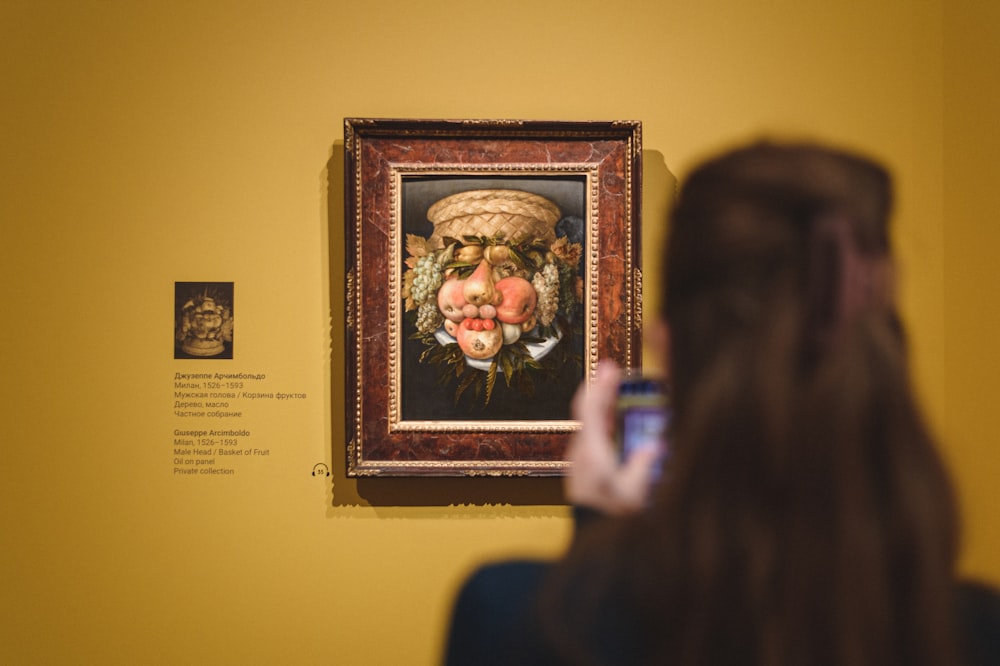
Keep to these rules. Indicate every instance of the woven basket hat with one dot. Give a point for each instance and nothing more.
(516, 215)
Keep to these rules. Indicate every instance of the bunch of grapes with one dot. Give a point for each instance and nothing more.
(546, 283)
(426, 281)
(429, 318)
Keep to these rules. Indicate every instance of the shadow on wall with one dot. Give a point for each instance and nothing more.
(658, 191)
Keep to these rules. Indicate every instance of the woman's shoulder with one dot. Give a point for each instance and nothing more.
(978, 608)
(494, 618)
(503, 586)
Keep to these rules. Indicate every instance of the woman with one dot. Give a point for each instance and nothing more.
(805, 516)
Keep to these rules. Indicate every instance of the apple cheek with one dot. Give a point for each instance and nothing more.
(519, 300)
(450, 300)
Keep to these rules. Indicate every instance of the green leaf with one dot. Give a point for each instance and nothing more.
(491, 379)
(447, 255)
(525, 385)
(465, 383)
(507, 363)
(462, 269)
(519, 257)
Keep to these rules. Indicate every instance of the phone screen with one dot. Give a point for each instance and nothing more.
(643, 418)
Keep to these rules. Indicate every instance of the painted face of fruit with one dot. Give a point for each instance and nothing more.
(480, 344)
(451, 301)
(518, 300)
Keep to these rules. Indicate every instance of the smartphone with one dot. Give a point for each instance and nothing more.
(643, 418)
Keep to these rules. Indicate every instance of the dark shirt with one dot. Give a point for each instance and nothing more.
(978, 607)
(495, 620)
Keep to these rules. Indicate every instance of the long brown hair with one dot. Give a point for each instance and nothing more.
(805, 517)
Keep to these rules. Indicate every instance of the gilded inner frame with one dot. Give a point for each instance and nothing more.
(491, 265)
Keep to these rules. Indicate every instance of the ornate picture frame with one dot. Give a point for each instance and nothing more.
(491, 264)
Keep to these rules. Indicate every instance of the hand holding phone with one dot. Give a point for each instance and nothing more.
(598, 477)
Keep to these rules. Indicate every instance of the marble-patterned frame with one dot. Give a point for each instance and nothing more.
(380, 156)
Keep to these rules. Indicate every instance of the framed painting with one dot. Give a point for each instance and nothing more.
(491, 264)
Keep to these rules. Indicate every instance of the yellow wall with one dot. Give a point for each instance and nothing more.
(144, 143)
(971, 241)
